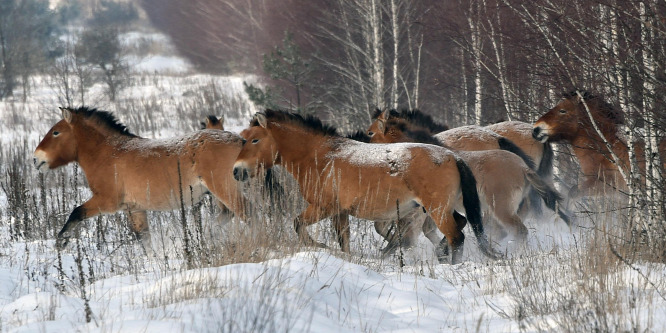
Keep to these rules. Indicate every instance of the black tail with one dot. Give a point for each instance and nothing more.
(549, 194)
(473, 207)
(533, 197)
(545, 169)
(508, 145)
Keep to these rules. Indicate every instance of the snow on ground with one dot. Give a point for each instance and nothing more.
(312, 290)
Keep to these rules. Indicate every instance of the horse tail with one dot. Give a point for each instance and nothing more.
(548, 193)
(545, 168)
(508, 145)
(472, 206)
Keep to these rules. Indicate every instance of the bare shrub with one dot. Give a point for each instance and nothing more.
(589, 290)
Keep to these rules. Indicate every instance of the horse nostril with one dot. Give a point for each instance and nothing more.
(240, 174)
(535, 132)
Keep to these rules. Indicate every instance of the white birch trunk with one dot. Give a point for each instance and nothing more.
(417, 77)
(464, 87)
(496, 41)
(653, 177)
(476, 51)
(396, 40)
(377, 51)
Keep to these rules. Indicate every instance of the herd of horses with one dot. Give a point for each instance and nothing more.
(406, 173)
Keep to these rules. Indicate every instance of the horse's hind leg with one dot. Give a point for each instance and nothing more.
(139, 225)
(384, 228)
(447, 224)
(511, 222)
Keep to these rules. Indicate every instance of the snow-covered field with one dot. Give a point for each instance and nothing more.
(561, 280)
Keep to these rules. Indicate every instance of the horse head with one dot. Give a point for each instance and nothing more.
(259, 149)
(59, 146)
(213, 122)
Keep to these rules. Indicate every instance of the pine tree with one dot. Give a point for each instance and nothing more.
(285, 66)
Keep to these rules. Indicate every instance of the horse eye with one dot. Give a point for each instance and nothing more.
(370, 133)
(56, 133)
(563, 111)
(255, 141)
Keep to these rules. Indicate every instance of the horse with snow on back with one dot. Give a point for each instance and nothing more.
(134, 174)
(513, 136)
(503, 178)
(337, 176)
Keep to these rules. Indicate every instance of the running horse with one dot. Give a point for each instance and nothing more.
(133, 174)
(339, 176)
(569, 122)
(513, 136)
(503, 177)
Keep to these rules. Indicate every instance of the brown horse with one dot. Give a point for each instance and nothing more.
(134, 174)
(339, 176)
(513, 136)
(503, 178)
(520, 133)
(272, 188)
(570, 123)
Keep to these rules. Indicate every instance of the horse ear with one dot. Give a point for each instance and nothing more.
(385, 114)
(261, 119)
(381, 125)
(66, 114)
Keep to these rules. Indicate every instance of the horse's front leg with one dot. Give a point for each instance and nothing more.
(91, 208)
(311, 215)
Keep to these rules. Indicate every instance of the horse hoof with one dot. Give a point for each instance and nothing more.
(442, 255)
(62, 242)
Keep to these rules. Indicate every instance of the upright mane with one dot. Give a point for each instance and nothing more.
(606, 110)
(309, 122)
(418, 118)
(417, 133)
(378, 112)
(102, 118)
(359, 136)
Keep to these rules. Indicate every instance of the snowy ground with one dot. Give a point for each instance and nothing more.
(540, 287)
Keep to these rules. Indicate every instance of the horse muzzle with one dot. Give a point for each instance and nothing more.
(539, 134)
(40, 161)
(241, 174)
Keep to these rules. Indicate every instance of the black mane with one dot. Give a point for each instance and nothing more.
(606, 109)
(418, 118)
(310, 122)
(378, 112)
(103, 118)
(359, 136)
(418, 134)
